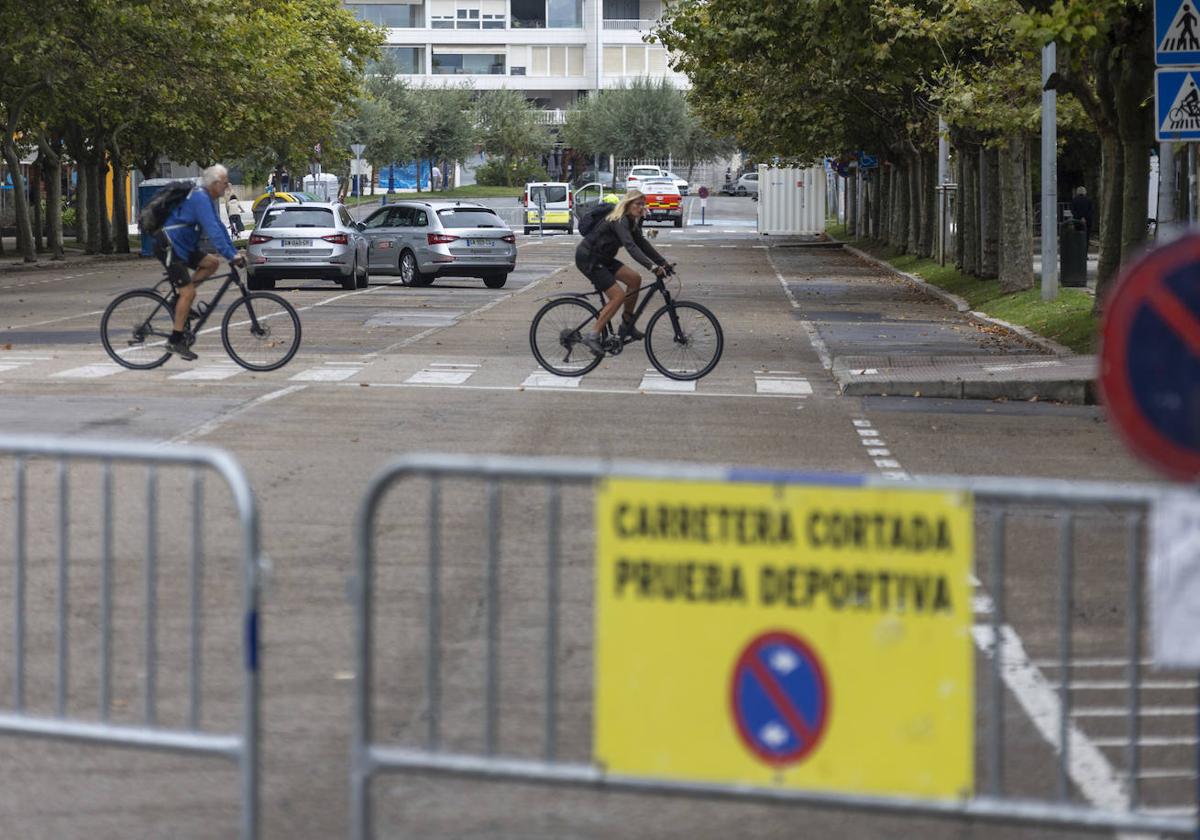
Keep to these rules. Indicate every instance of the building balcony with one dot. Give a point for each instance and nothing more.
(556, 116)
(629, 25)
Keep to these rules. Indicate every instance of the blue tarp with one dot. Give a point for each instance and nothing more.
(402, 176)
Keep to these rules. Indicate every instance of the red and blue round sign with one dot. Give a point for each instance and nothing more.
(779, 698)
(1150, 357)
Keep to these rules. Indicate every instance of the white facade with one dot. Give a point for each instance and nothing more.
(551, 50)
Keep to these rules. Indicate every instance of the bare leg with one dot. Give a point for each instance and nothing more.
(633, 283)
(187, 294)
(616, 295)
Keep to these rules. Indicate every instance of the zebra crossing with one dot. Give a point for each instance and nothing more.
(501, 374)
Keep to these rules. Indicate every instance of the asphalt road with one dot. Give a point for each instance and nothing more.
(389, 370)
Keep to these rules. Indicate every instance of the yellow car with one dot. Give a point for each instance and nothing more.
(260, 203)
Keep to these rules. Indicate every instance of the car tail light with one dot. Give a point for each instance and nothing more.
(570, 199)
(337, 238)
(440, 238)
(259, 238)
(509, 237)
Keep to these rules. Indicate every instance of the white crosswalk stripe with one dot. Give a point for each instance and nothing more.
(325, 374)
(655, 381)
(782, 385)
(540, 379)
(443, 374)
(209, 373)
(89, 371)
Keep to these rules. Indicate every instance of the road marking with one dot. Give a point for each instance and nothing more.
(540, 379)
(1168, 773)
(221, 419)
(1110, 685)
(442, 376)
(880, 453)
(814, 337)
(887, 463)
(778, 385)
(654, 381)
(209, 372)
(415, 319)
(89, 371)
(325, 374)
(1148, 741)
(54, 320)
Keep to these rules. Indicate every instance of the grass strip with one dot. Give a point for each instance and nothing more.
(1068, 319)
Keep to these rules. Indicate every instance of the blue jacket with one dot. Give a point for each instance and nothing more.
(198, 210)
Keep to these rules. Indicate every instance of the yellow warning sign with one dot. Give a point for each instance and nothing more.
(800, 636)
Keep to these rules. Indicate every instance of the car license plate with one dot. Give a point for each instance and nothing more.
(480, 243)
(297, 243)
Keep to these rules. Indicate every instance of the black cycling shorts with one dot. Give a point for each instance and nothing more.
(177, 266)
(602, 272)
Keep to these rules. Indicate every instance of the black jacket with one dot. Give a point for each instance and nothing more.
(603, 242)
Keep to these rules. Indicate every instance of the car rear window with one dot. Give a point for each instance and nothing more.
(474, 217)
(553, 194)
(286, 217)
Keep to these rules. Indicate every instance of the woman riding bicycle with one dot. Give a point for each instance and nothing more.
(596, 257)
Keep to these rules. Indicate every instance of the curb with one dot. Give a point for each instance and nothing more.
(1023, 333)
(1070, 391)
(45, 264)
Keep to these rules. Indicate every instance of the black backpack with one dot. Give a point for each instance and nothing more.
(154, 214)
(593, 217)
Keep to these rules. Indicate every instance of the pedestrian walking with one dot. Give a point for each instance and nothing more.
(234, 207)
(436, 175)
(1082, 208)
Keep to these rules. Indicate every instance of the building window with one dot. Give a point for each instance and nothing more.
(406, 60)
(468, 18)
(468, 64)
(558, 61)
(564, 14)
(635, 60)
(394, 15)
(614, 61)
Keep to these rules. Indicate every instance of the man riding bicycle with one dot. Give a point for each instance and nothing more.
(177, 245)
(596, 257)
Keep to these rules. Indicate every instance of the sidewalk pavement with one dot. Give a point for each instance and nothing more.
(883, 332)
(74, 255)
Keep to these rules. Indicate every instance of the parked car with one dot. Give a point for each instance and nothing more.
(680, 183)
(638, 174)
(747, 185)
(594, 176)
(555, 206)
(663, 202)
(260, 203)
(304, 240)
(423, 240)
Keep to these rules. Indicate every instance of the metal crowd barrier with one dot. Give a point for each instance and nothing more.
(44, 522)
(1008, 512)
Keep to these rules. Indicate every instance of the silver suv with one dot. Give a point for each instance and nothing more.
(309, 239)
(423, 240)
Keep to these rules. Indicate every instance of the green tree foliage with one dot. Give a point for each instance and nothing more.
(510, 128)
(643, 119)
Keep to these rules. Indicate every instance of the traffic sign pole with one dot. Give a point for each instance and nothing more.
(1049, 177)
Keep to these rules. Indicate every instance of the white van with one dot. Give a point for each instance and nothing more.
(548, 204)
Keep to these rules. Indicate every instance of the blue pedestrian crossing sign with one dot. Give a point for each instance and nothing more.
(1177, 104)
(1176, 32)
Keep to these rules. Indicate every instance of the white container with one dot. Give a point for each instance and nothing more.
(791, 201)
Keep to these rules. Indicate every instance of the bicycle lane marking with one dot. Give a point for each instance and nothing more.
(214, 423)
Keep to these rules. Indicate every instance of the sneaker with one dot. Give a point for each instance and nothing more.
(629, 331)
(180, 349)
(592, 342)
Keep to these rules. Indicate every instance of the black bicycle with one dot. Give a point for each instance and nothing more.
(683, 339)
(260, 330)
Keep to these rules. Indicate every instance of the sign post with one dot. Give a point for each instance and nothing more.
(703, 193)
(357, 149)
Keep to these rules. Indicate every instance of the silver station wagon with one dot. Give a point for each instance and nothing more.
(423, 240)
(305, 240)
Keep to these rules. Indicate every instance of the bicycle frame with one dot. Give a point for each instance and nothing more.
(646, 293)
(231, 279)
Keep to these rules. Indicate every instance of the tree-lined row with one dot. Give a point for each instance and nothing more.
(828, 77)
(130, 82)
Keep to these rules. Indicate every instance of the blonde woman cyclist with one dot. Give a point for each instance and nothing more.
(596, 257)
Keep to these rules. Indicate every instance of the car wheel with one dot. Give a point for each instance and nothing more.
(364, 278)
(740, 192)
(350, 281)
(495, 281)
(256, 283)
(410, 273)
(528, 231)
(679, 221)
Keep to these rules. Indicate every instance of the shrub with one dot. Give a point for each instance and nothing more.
(495, 174)
(68, 217)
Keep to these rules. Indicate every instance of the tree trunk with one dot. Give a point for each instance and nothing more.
(884, 215)
(82, 188)
(120, 206)
(971, 262)
(928, 204)
(1016, 231)
(989, 265)
(95, 206)
(876, 200)
(1112, 167)
(35, 201)
(52, 167)
(913, 239)
(960, 200)
(20, 202)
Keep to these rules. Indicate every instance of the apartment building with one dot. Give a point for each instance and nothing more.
(552, 50)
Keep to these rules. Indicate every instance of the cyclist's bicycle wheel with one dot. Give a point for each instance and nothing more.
(555, 337)
(261, 331)
(135, 327)
(684, 341)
